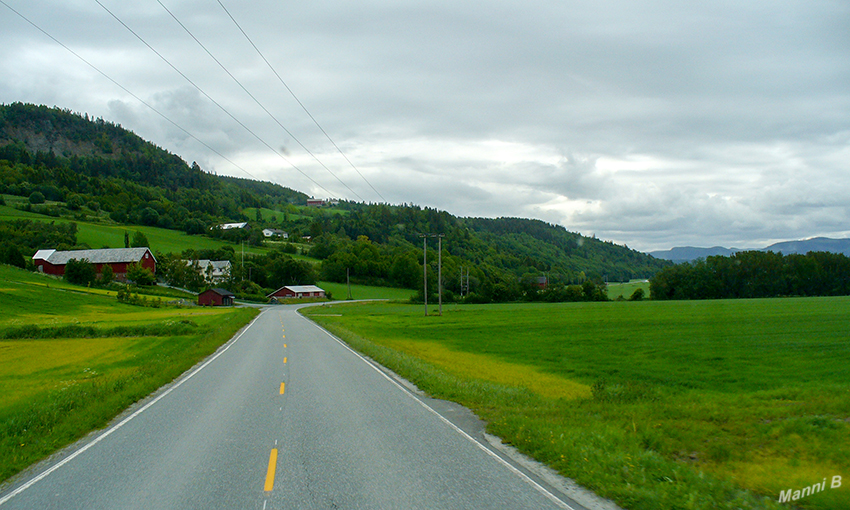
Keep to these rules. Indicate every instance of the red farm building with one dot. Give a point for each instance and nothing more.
(53, 261)
(297, 292)
(215, 297)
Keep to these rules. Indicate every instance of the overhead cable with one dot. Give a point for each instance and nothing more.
(298, 100)
(222, 108)
(178, 126)
(255, 99)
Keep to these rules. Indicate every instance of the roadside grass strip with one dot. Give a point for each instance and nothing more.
(698, 405)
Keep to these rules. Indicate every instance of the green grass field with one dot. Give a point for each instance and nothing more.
(687, 404)
(267, 214)
(625, 290)
(99, 235)
(339, 291)
(85, 357)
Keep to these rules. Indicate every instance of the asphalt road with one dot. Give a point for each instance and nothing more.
(285, 416)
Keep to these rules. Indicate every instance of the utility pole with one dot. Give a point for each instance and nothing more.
(464, 281)
(425, 270)
(348, 281)
(440, 270)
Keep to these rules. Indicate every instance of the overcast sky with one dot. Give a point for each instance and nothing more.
(654, 124)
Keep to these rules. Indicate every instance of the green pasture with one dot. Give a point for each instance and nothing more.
(625, 290)
(111, 235)
(686, 404)
(339, 291)
(73, 358)
(280, 216)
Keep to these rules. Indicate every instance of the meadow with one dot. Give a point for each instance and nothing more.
(625, 290)
(689, 404)
(111, 235)
(72, 358)
(339, 291)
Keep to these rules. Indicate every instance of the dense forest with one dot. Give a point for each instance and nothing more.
(755, 274)
(92, 170)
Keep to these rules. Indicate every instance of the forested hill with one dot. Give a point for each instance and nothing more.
(65, 153)
(98, 171)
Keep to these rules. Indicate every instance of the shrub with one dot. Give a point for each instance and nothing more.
(36, 197)
(140, 275)
(79, 272)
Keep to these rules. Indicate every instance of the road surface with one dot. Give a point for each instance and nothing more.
(283, 416)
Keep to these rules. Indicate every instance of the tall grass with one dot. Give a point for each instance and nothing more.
(691, 405)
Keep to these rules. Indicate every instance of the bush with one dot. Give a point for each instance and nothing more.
(79, 272)
(637, 295)
(10, 254)
(140, 275)
(106, 275)
(140, 240)
(36, 197)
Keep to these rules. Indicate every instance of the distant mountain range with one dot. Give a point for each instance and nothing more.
(688, 253)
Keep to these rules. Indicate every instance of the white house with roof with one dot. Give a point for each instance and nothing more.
(213, 271)
(274, 232)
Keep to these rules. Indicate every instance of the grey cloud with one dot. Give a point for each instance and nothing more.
(680, 123)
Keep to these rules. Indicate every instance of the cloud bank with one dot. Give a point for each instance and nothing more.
(654, 124)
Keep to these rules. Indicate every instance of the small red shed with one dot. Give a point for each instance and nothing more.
(216, 297)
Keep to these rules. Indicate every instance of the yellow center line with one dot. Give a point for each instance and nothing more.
(270, 471)
(282, 386)
(284, 359)
(284, 346)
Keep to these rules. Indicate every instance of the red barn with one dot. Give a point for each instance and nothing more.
(53, 261)
(215, 297)
(297, 292)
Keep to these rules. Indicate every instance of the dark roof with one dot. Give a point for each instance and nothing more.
(221, 292)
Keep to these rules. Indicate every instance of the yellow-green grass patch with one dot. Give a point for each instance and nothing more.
(488, 368)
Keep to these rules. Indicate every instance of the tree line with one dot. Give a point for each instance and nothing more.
(92, 169)
(755, 274)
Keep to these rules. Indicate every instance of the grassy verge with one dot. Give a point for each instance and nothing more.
(719, 404)
(70, 362)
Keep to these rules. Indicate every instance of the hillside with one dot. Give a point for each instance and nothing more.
(69, 165)
(824, 244)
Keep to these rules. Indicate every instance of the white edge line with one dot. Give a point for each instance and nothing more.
(555, 499)
(123, 422)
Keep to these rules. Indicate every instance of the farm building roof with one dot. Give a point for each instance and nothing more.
(298, 289)
(221, 292)
(303, 288)
(106, 256)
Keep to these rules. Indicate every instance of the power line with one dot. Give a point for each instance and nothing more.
(299, 101)
(72, 52)
(255, 99)
(222, 108)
